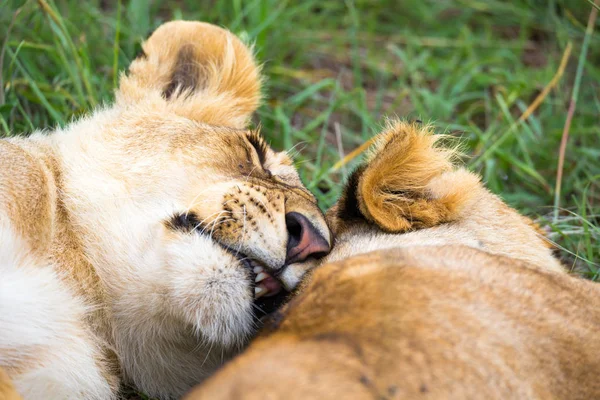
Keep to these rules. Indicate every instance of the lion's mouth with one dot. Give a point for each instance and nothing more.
(269, 293)
(264, 283)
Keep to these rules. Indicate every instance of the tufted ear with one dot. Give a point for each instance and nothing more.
(199, 70)
(408, 182)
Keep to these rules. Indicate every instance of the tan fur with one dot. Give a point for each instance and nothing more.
(441, 322)
(22, 200)
(471, 305)
(7, 389)
(101, 286)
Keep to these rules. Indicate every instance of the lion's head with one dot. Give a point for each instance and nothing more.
(187, 216)
(410, 192)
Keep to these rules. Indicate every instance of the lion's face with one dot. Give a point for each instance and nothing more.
(248, 199)
(187, 215)
(240, 216)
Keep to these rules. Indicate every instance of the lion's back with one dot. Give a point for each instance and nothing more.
(442, 322)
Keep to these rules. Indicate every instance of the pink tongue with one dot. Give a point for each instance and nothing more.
(272, 285)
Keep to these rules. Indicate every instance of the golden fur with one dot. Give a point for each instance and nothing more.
(7, 389)
(125, 236)
(434, 289)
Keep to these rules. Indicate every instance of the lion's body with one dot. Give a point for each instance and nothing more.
(425, 322)
(434, 289)
(125, 237)
(49, 293)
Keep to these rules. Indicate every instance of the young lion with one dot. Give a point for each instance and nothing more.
(136, 242)
(434, 289)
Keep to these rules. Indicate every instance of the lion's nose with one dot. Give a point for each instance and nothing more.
(304, 240)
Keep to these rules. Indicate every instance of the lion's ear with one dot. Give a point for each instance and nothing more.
(199, 70)
(409, 181)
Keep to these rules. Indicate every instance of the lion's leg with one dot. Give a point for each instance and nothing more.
(44, 345)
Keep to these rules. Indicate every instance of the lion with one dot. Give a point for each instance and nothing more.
(434, 288)
(140, 244)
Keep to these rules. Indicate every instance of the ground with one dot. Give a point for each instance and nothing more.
(336, 68)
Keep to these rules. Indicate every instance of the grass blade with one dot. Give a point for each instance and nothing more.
(572, 104)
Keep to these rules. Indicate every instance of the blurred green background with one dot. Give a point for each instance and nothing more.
(336, 68)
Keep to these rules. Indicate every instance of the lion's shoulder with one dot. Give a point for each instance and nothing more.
(27, 194)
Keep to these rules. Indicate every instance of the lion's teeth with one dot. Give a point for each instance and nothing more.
(258, 270)
(261, 277)
(260, 291)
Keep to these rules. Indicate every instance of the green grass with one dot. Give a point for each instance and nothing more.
(335, 68)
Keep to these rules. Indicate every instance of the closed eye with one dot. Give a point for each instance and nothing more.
(260, 146)
(187, 222)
